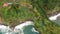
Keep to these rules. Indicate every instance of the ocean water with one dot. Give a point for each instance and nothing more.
(29, 30)
(24, 28)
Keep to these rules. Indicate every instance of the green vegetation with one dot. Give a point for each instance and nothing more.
(44, 25)
(35, 10)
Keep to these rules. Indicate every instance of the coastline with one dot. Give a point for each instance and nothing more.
(19, 24)
(20, 27)
(12, 26)
(55, 17)
(22, 21)
(53, 13)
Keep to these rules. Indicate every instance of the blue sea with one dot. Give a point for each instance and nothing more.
(25, 28)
